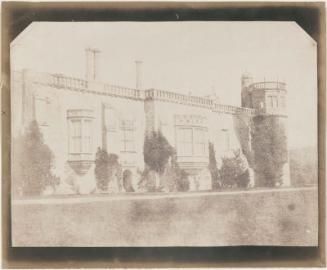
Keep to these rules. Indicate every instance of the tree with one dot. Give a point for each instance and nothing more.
(32, 163)
(183, 184)
(178, 178)
(160, 158)
(148, 180)
(304, 166)
(214, 172)
(101, 169)
(157, 151)
(235, 171)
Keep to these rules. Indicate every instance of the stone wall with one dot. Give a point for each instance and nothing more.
(149, 110)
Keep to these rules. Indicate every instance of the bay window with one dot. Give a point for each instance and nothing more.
(80, 134)
(76, 136)
(191, 141)
(199, 141)
(185, 141)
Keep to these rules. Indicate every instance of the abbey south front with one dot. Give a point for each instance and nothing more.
(78, 115)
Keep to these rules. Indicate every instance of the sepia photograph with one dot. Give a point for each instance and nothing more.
(161, 134)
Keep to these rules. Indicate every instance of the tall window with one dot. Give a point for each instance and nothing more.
(110, 119)
(199, 142)
(41, 110)
(80, 136)
(225, 140)
(191, 141)
(87, 143)
(76, 136)
(184, 141)
(80, 133)
(282, 99)
(128, 139)
(273, 101)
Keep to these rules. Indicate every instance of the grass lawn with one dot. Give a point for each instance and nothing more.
(264, 217)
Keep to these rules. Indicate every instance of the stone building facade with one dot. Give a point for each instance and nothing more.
(77, 116)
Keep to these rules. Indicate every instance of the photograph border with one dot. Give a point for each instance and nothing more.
(16, 16)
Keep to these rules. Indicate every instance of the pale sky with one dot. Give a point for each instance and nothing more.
(184, 57)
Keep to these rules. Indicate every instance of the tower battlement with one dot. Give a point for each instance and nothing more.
(268, 97)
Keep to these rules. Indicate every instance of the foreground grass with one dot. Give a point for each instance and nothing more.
(262, 217)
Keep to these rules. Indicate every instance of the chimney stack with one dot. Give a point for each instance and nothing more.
(91, 64)
(138, 64)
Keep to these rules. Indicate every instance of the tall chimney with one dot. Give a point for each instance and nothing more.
(91, 64)
(138, 65)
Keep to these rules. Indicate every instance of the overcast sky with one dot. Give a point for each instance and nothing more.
(184, 57)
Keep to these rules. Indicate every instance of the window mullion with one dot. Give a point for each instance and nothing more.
(124, 138)
(192, 140)
(81, 135)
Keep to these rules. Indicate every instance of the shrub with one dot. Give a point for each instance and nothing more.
(160, 158)
(235, 171)
(127, 181)
(32, 163)
(214, 172)
(107, 169)
(115, 171)
(148, 181)
(101, 169)
(304, 166)
(181, 181)
(157, 151)
(183, 184)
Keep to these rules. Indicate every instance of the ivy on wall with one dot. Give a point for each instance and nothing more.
(269, 144)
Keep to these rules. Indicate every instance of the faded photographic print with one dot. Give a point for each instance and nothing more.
(164, 134)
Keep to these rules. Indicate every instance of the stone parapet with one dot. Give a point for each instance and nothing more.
(271, 85)
(60, 81)
(233, 109)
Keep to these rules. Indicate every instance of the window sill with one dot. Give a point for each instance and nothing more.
(75, 157)
(193, 156)
(80, 153)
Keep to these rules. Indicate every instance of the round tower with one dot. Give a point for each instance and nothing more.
(269, 134)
